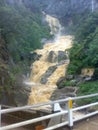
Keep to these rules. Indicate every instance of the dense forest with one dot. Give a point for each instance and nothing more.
(21, 28)
(84, 54)
(85, 49)
(21, 31)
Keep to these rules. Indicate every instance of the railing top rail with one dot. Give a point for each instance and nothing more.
(63, 112)
(14, 109)
(85, 106)
(30, 121)
(32, 106)
(86, 96)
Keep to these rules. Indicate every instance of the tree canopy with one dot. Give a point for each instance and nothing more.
(85, 49)
(21, 28)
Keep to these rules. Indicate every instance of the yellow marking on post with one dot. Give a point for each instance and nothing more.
(70, 104)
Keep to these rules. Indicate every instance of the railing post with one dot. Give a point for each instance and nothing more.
(0, 115)
(70, 114)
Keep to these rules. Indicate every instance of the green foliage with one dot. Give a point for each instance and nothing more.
(22, 29)
(96, 73)
(84, 54)
(69, 83)
(88, 88)
(76, 57)
(85, 49)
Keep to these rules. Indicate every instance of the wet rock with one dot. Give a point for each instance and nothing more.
(47, 74)
(64, 93)
(69, 90)
(43, 80)
(6, 90)
(34, 56)
(71, 95)
(27, 89)
(52, 57)
(81, 79)
(60, 82)
(62, 56)
(63, 62)
(73, 82)
(58, 7)
(88, 78)
(78, 79)
(69, 77)
(95, 76)
(21, 97)
(21, 90)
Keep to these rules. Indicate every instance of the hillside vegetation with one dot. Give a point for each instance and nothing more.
(21, 28)
(84, 54)
(21, 31)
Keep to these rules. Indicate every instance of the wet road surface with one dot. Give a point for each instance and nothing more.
(88, 124)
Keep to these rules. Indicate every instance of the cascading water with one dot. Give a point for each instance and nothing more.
(54, 24)
(92, 5)
(49, 68)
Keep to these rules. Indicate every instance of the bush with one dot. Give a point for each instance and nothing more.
(21, 29)
(86, 88)
(85, 49)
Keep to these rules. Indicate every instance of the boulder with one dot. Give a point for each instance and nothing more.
(69, 77)
(52, 57)
(60, 82)
(64, 93)
(34, 56)
(47, 74)
(95, 76)
(21, 97)
(62, 56)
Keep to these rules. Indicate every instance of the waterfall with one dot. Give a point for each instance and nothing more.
(46, 71)
(92, 5)
(54, 24)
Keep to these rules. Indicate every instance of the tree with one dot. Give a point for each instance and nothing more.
(21, 29)
(85, 50)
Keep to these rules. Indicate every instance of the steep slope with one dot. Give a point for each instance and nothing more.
(71, 13)
(6, 83)
(84, 53)
(21, 30)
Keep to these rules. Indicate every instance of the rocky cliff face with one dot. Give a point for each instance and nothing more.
(69, 12)
(3, 61)
(5, 79)
(64, 10)
(62, 7)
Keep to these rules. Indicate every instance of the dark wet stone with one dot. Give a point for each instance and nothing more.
(52, 57)
(47, 74)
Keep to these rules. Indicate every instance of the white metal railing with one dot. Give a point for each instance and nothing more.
(68, 111)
